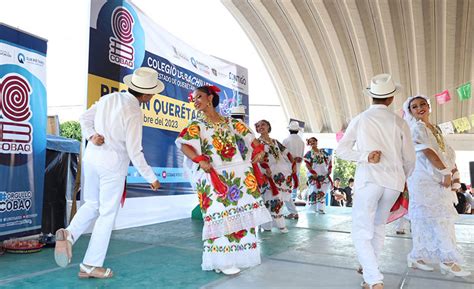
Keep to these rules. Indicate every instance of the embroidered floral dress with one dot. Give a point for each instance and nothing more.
(230, 217)
(431, 209)
(277, 160)
(319, 181)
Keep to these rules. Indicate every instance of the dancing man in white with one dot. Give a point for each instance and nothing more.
(385, 157)
(113, 127)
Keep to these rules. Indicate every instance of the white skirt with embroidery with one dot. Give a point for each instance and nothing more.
(432, 215)
(226, 252)
(247, 210)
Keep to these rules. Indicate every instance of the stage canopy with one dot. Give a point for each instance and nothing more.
(321, 54)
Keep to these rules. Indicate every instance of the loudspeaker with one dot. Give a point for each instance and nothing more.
(471, 171)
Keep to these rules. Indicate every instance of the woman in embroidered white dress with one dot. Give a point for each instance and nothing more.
(431, 209)
(277, 165)
(219, 152)
(319, 165)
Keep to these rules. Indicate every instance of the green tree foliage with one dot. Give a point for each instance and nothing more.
(343, 170)
(70, 129)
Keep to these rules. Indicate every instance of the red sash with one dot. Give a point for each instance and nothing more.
(256, 169)
(273, 187)
(218, 185)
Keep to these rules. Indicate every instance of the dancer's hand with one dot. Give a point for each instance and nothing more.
(155, 185)
(205, 165)
(446, 181)
(374, 157)
(97, 139)
(258, 157)
(268, 172)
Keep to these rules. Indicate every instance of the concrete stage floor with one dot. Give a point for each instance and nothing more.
(316, 253)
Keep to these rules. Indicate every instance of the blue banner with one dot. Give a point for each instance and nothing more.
(122, 39)
(22, 131)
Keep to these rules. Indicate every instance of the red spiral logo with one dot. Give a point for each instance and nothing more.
(122, 23)
(15, 92)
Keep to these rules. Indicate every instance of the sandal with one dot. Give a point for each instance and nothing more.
(63, 248)
(88, 272)
(360, 270)
(378, 285)
(292, 216)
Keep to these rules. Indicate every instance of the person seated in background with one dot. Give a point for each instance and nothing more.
(338, 195)
(461, 205)
(348, 191)
(468, 197)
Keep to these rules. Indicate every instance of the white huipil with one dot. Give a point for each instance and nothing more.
(431, 209)
(376, 186)
(319, 185)
(118, 118)
(229, 235)
(276, 157)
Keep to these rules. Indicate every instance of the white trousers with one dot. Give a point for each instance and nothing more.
(403, 225)
(102, 193)
(290, 205)
(371, 207)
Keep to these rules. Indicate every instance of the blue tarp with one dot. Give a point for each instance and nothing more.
(62, 144)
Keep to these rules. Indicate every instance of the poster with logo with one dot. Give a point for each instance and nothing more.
(122, 39)
(22, 131)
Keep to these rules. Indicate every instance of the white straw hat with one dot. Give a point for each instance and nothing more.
(382, 86)
(144, 80)
(240, 110)
(294, 125)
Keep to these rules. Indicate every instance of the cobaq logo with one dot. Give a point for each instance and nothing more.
(121, 50)
(15, 130)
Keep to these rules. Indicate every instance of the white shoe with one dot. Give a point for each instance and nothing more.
(321, 212)
(417, 265)
(228, 271)
(283, 230)
(449, 269)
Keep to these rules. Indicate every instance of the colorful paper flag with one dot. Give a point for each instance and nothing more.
(464, 91)
(462, 124)
(339, 135)
(443, 97)
(446, 127)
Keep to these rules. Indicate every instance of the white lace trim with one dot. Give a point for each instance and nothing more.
(434, 240)
(242, 259)
(236, 223)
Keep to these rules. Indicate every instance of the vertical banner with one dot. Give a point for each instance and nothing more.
(122, 39)
(22, 131)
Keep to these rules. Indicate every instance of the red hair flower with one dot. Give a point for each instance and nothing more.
(190, 97)
(214, 88)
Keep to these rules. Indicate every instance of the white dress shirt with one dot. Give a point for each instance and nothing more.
(118, 118)
(295, 145)
(378, 128)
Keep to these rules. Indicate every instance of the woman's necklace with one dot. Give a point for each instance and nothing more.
(221, 128)
(215, 124)
(271, 147)
(319, 157)
(438, 136)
